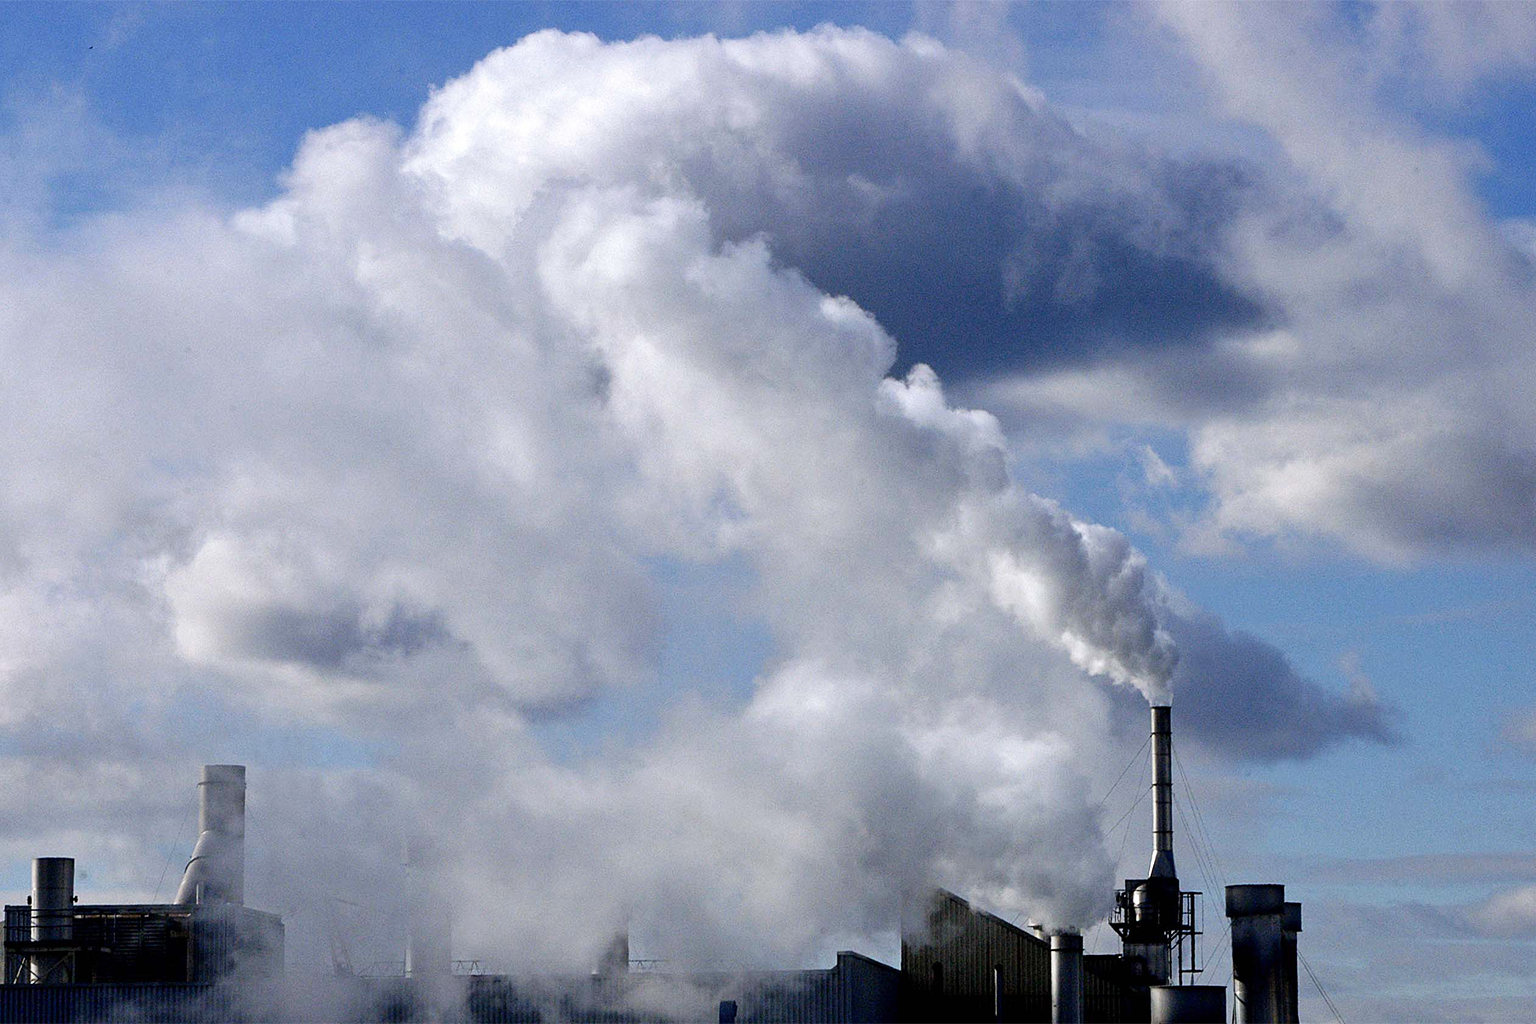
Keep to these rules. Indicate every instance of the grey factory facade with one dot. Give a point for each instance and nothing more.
(207, 957)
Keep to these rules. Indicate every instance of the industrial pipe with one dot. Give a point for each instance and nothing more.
(216, 872)
(1066, 978)
(1162, 794)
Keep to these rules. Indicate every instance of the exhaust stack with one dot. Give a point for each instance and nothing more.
(1162, 794)
(1150, 912)
(1066, 978)
(53, 919)
(1258, 973)
(216, 872)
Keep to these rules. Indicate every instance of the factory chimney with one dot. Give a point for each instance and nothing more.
(216, 872)
(53, 919)
(1066, 978)
(1258, 971)
(1162, 794)
(1150, 911)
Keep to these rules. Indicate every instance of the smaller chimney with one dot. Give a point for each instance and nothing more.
(1162, 793)
(1258, 983)
(53, 918)
(1066, 978)
(216, 872)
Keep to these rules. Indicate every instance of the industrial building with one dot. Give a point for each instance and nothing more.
(208, 957)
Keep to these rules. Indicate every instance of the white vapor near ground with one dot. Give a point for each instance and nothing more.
(394, 456)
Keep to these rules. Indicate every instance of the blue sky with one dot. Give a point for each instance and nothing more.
(1249, 285)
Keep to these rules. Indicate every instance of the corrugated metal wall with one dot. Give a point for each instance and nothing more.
(856, 990)
(231, 941)
(870, 990)
(1107, 997)
(146, 943)
(792, 996)
(163, 943)
(66, 1004)
(18, 928)
(949, 951)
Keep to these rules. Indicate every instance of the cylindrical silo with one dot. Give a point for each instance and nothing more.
(1258, 973)
(1189, 1004)
(1066, 978)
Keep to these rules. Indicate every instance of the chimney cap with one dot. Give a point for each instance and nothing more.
(224, 773)
(1067, 940)
(1249, 900)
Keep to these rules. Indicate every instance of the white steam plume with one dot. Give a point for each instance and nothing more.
(395, 457)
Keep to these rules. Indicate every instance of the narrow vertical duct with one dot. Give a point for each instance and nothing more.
(429, 928)
(216, 872)
(1290, 924)
(53, 919)
(1066, 978)
(1162, 794)
(1258, 974)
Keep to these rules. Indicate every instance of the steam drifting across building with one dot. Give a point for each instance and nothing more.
(66, 960)
(961, 963)
(208, 957)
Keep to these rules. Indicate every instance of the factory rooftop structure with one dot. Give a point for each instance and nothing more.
(208, 957)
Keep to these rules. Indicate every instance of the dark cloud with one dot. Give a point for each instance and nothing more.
(1056, 252)
(1241, 697)
(328, 639)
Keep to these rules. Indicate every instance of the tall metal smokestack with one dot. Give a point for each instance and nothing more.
(53, 918)
(1150, 911)
(1162, 794)
(216, 872)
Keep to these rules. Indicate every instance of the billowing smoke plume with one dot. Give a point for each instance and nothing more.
(392, 469)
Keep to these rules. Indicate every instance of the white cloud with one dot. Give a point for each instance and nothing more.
(1155, 472)
(1510, 913)
(1454, 47)
(1382, 403)
(393, 453)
